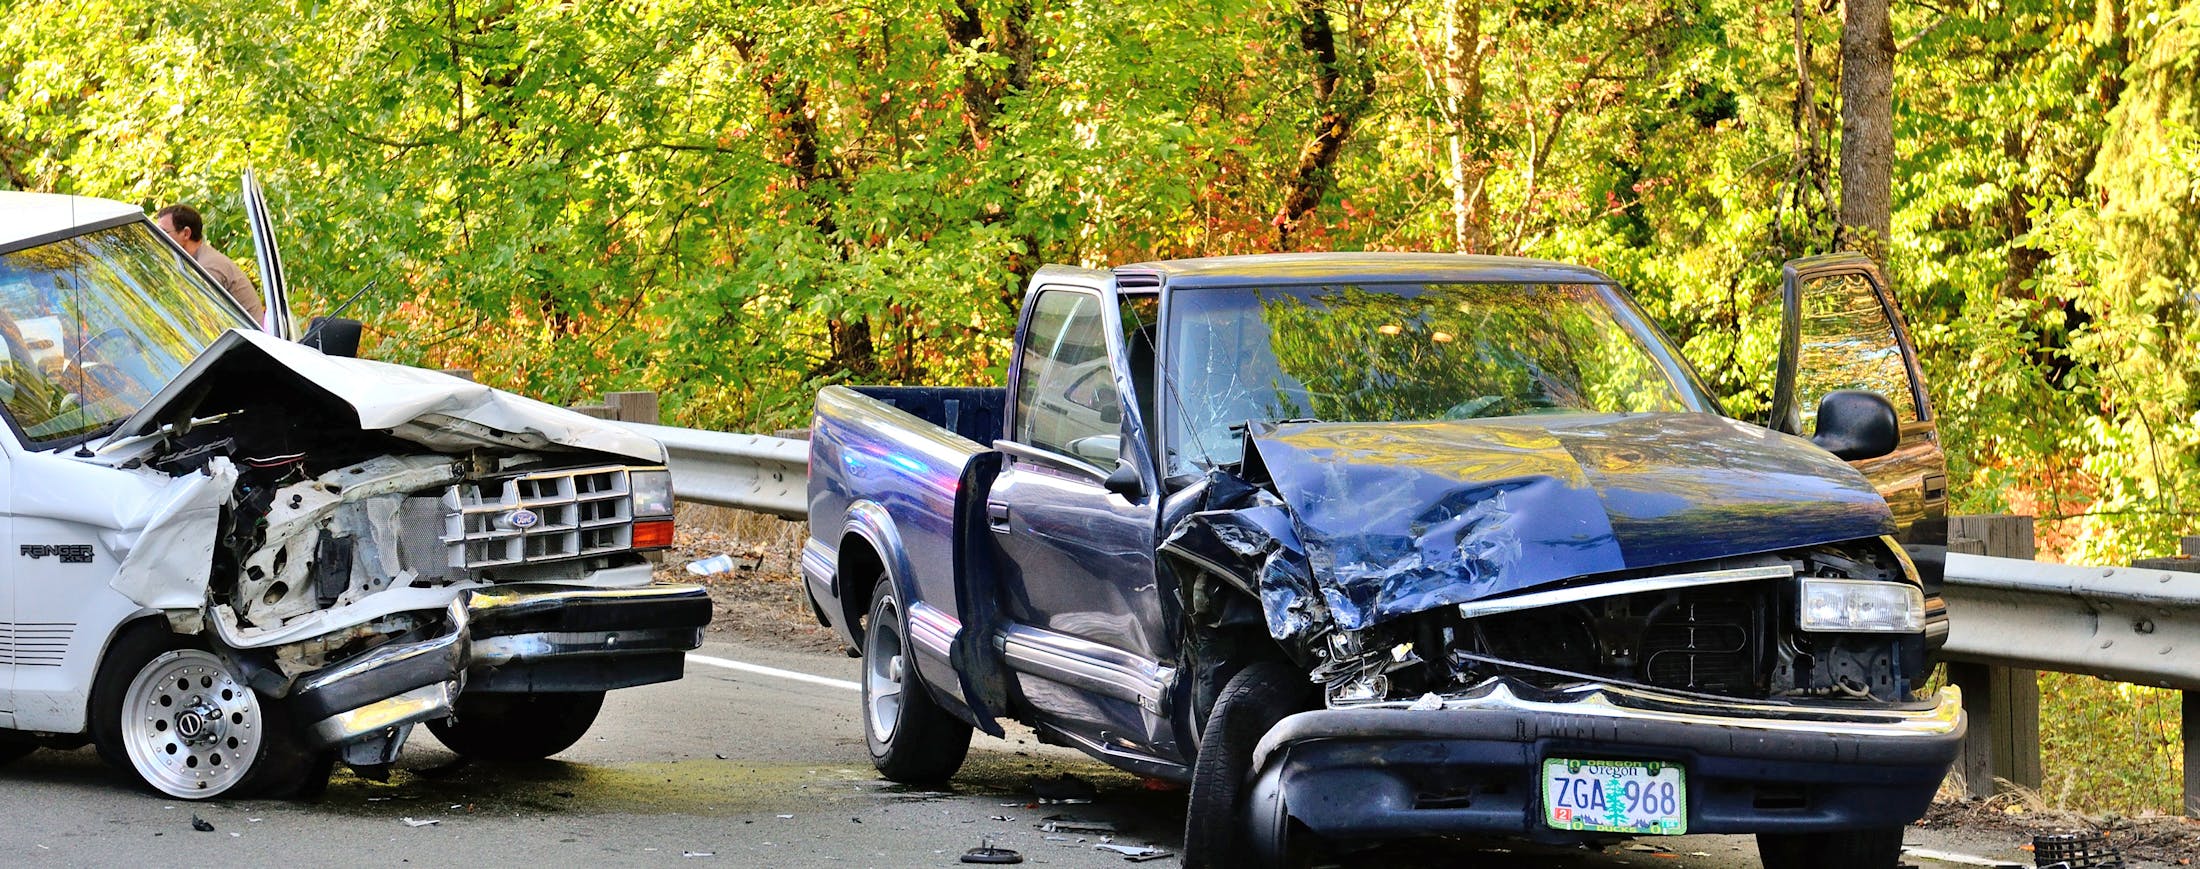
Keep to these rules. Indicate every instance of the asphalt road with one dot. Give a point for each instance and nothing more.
(726, 767)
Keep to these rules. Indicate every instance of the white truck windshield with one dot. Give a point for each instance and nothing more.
(95, 324)
(1398, 352)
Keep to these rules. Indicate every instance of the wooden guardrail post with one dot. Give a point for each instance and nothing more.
(623, 406)
(2003, 743)
(632, 406)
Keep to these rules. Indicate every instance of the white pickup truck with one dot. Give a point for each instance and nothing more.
(233, 560)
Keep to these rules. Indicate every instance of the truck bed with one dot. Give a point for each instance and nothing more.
(973, 412)
(886, 464)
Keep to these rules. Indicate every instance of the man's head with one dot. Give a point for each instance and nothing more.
(182, 223)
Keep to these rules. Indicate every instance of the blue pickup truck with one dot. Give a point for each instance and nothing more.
(1365, 546)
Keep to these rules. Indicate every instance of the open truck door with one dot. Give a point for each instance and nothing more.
(276, 321)
(1841, 330)
(335, 336)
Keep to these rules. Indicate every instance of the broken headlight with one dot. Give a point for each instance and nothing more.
(1860, 606)
(652, 493)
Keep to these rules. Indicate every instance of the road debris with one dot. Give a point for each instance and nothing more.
(424, 822)
(703, 853)
(200, 824)
(1062, 824)
(986, 853)
(1135, 853)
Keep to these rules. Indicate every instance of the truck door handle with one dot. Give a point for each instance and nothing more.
(996, 516)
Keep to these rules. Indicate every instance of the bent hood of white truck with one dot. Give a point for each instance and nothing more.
(430, 408)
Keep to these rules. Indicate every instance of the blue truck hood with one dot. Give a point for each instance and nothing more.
(1390, 519)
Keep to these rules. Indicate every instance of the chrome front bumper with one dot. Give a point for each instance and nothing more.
(1470, 764)
(518, 638)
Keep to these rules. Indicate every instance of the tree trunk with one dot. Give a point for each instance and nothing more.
(1462, 112)
(1867, 126)
(1341, 108)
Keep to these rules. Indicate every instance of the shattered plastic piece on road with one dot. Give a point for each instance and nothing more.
(425, 822)
(712, 566)
(1060, 824)
(1146, 851)
(701, 853)
(200, 824)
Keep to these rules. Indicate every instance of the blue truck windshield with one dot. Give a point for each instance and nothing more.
(1399, 352)
(93, 325)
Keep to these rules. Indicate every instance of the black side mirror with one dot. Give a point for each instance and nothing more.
(333, 336)
(1124, 481)
(1855, 425)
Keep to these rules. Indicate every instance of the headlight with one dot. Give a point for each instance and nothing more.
(1857, 606)
(652, 492)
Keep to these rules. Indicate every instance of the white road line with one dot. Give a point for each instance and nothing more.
(1959, 859)
(773, 671)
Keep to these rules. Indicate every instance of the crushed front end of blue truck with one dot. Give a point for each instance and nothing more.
(1573, 629)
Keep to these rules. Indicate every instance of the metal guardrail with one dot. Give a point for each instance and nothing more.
(752, 472)
(2130, 624)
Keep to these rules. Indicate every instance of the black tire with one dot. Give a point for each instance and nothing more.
(912, 739)
(517, 726)
(248, 743)
(1875, 848)
(1216, 823)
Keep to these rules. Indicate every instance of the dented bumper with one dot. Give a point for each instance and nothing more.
(1388, 770)
(508, 638)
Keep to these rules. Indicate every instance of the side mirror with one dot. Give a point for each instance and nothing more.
(1855, 425)
(334, 336)
(1100, 450)
(1124, 481)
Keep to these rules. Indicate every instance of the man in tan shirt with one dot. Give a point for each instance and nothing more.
(183, 224)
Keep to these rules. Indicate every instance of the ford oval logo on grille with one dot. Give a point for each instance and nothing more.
(522, 519)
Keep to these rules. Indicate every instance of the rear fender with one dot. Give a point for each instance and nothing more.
(870, 525)
(929, 628)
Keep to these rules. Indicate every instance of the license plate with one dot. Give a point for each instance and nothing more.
(1646, 798)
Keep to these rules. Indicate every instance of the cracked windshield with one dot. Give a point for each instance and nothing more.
(1387, 353)
(94, 325)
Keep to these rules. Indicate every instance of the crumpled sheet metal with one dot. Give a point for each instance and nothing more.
(167, 567)
(1391, 519)
(429, 408)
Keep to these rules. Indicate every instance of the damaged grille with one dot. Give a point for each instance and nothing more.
(537, 517)
(1709, 640)
(1702, 645)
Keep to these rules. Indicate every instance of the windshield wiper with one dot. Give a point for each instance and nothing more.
(1239, 427)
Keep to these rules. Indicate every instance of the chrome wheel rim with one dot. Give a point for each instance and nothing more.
(191, 729)
(883, 668)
